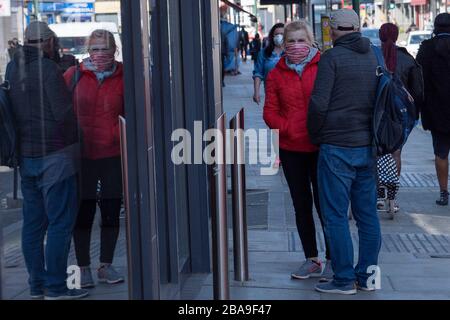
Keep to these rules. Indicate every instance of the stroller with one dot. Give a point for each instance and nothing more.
(388, 185)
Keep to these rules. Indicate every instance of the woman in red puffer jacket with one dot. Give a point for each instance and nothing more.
(288, 91)
(98, 102)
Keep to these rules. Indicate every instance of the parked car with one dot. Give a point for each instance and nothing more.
(373, 34)
(73, 37)
(414, 40)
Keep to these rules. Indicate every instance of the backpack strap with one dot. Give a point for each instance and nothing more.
(76, 78)
(381, 68)
(11, 66)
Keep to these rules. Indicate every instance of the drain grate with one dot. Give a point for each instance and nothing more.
(257, 209)
(414, 243)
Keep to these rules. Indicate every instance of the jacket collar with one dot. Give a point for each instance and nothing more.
(354, 41)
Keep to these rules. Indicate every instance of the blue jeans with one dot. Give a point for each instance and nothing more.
(349, 175)
(49, 188)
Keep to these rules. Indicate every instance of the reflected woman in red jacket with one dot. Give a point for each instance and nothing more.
(288, 91)
(98, 102)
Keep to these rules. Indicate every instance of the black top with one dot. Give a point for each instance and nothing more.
(434, 57)
(41, 104)
(410, 73)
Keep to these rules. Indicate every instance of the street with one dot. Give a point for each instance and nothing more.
(419, 231)
(414, 258)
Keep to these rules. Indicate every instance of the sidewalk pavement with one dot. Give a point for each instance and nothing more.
(419, 231)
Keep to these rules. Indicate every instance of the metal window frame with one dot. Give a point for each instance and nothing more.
(147, 88)
(144, 260)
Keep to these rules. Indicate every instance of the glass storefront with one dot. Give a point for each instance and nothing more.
(156, 65)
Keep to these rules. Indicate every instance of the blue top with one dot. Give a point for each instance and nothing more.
(264, 65)
(230, 35)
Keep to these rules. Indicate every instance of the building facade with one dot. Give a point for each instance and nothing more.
(172, 53)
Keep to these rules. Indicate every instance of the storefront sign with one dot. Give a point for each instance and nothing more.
(326, 32)
(5, 8)
(68, 8)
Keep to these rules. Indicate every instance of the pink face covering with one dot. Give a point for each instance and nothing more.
(297, 52)
(103, 61)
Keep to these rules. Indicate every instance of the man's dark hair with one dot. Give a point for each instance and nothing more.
(442, 23)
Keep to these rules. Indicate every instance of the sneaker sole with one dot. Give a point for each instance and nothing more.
(312, 275)
(37, 297)
(81, 296)
(111, 281)
(337, 291)
(365, 289)
(88, 286)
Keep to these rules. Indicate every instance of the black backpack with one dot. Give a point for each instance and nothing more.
(8, 133)
(392, 120)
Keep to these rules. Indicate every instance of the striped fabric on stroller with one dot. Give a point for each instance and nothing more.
(388, 184)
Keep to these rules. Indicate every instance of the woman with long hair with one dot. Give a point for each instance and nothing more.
(268, 59)
(405, 67)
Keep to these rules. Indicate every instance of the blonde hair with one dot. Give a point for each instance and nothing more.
(299, 25)
(102, 34)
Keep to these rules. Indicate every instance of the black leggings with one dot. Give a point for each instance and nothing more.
(108, 172)
(110, 227)
(300, 170)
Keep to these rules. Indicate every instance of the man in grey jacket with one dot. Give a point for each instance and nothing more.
(340, 121)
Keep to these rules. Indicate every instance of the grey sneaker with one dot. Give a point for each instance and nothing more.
(107, 274)
(327, 274)
(86, 278)
(332, 287)
(308, 269)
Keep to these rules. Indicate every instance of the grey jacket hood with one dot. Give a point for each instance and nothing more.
(355, 42)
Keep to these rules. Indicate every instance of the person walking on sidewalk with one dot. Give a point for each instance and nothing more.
(243, 43)
(340, 121)
(266, 61)
(434, 57)
(48, 139)
(98, 102)
(255, 47)
(405, 67)
(288, 90)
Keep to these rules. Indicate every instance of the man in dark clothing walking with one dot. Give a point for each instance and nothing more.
(434, 57)
(48, 140)
(339, 120)
(243, 43)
